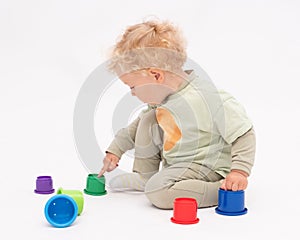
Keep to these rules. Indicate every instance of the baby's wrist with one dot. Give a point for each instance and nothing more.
(240, 172)
(112, 155)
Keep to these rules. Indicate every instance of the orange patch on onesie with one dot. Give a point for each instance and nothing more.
(172, 133)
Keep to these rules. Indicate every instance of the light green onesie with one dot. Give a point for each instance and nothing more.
(193, 132)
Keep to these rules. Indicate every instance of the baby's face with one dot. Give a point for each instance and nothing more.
(147, 85)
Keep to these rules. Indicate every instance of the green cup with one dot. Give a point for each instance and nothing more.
(76, 195)
(95, 186)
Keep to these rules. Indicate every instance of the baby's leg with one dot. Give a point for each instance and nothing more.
(182, 180)
(148, 144)
(129, 181)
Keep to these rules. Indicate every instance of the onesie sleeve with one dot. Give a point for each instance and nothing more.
(243, 152)
(231, 119)
(124, 139)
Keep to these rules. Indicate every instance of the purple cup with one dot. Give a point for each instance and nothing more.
(44, 185)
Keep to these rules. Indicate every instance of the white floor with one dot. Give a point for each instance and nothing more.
(48, 49)
(272, 213)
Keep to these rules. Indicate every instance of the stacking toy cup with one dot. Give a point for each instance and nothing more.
(61, 210)
(76, 195)
(185, 211)
(44, 185)
(231, 203)
(95, 186)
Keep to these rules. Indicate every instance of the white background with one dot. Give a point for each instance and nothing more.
(49, 48)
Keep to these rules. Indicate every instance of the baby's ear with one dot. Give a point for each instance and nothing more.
(158, 74)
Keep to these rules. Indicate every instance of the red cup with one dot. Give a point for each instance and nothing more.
(185, 211)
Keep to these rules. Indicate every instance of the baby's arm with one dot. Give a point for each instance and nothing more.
(243, 153)
(123, 141)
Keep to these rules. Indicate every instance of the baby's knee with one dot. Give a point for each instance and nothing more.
(158, 195)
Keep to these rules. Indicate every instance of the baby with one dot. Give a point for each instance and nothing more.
(192, 139)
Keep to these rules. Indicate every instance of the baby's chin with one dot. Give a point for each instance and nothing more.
(153, 95)
(153, 101)
(153, 104)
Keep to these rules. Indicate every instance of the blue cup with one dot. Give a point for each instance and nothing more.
(231, 203)
(61, 210)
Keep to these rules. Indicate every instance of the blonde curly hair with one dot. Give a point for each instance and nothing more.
(156, 44)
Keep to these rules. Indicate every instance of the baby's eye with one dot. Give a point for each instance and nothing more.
(132, 87)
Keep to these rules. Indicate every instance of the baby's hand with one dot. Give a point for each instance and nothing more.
(110, 162)
(236, 180)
